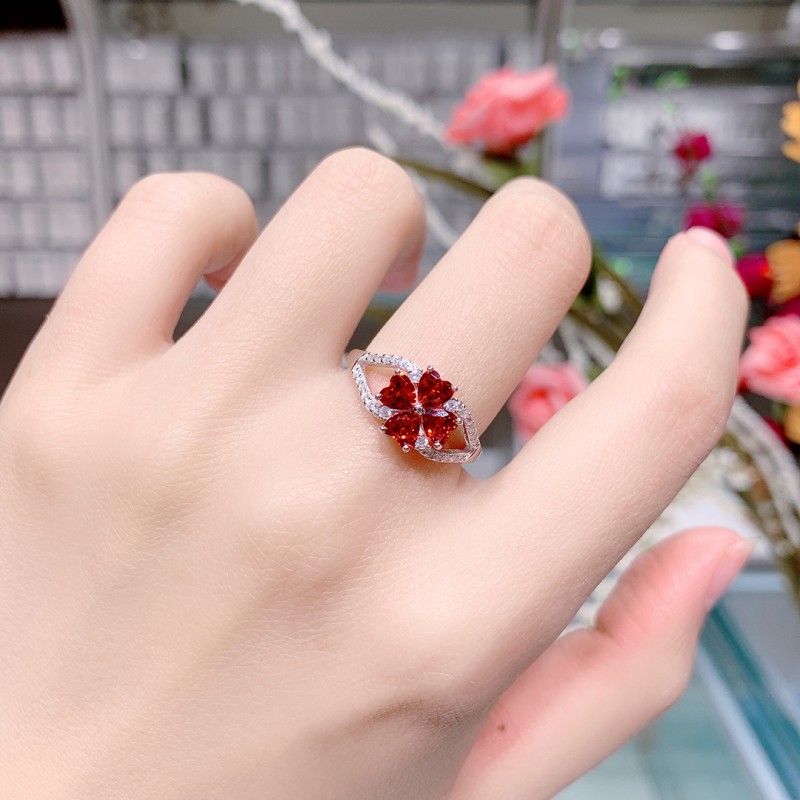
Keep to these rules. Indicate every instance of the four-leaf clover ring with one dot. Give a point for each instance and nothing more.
(418, 408)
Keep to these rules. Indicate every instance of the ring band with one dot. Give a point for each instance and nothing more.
(417, 408)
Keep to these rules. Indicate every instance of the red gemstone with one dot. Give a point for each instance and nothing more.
(433, 391)
(404, 427)
(438, 424)
(400, 393)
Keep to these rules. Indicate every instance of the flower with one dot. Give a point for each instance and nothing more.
(791, 424)
(754, 271)
(505, 109)
(790, 125)
(784, 265)
(771, 365)
(418, 406)
(691, 149)
(791, 308)
(544, 389)
(724, 218)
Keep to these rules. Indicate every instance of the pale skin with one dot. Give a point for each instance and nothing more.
(220, 581)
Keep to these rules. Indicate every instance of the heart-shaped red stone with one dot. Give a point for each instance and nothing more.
(438, 424)
(433, 391)
(404, 427)
(400, 393)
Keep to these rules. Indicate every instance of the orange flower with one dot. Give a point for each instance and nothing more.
(790, 124)
(791, 424)
(784, 265)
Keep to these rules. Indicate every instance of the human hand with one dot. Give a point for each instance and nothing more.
(220, 580)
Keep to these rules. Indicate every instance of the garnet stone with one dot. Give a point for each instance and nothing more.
(416, 406)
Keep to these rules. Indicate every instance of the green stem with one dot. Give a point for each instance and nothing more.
(602, 267)
(601, 331)
(446, 176)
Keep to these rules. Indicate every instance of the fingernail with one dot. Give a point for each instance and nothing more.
(729, 566)
(712, 240)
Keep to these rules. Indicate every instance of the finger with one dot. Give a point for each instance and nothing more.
(611, 461)
(400, 277)
(596, 688)
(484, 312)
(314, 269)
(127, 292)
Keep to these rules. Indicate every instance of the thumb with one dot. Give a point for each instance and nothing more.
(595, 688)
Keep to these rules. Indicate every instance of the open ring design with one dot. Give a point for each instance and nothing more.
(417, 408)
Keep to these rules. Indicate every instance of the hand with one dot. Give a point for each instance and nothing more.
(220, 580)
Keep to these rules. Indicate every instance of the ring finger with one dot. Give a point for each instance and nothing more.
(484, 312)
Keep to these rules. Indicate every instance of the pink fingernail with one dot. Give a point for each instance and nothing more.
(729, 566)
(712, 240)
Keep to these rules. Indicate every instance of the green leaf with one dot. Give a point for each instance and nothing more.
(709, 183)
(673, 79)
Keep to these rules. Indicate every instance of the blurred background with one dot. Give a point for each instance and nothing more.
(95, 94)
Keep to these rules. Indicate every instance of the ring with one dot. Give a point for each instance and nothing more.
(417, 408)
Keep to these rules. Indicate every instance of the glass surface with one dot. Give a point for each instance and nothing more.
(684, 755)
(735, 734)
(753, 637)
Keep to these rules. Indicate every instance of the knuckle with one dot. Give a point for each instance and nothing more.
(300, 541)
(155, 460)
(363, 177)
(531, 222)
(669, 681)
(35, 437)
(164, 197)
(696, 397)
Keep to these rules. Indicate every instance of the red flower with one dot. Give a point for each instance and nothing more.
(754, 271)
(791, 308)
(416, 407)
(691, 150)
(505, 109)
(724, 218)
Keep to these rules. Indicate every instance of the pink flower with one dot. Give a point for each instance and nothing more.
(754, 271)
(771, 365)
(724, 218)
(544, 389)
(505, 109)
(691, 150)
